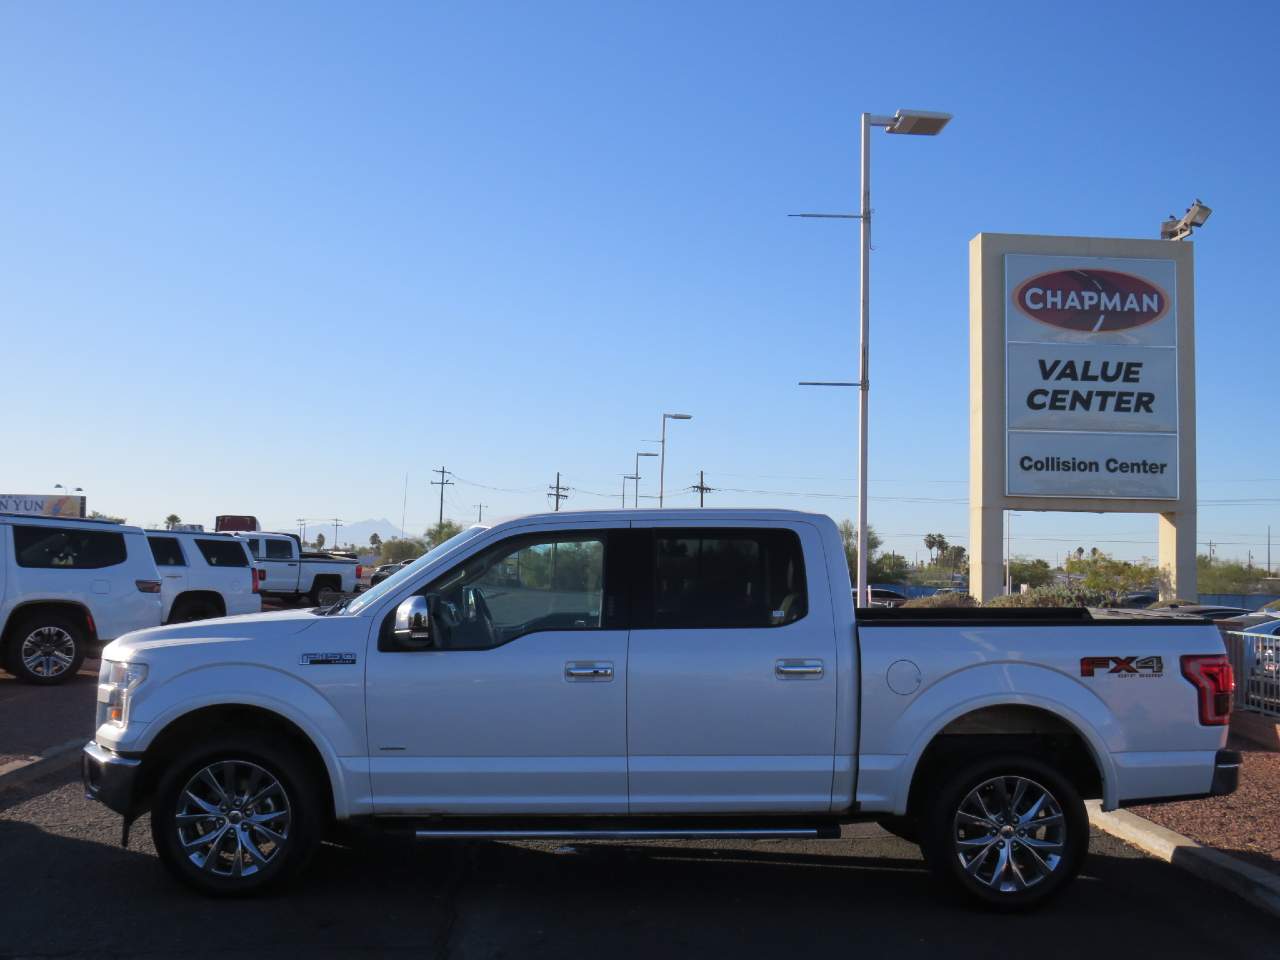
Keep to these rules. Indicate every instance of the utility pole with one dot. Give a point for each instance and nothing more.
(1268, 549)
(336, 524)
(1211, 551)
(479, 511)
(702, 489)
(441, 483)
(555, 492)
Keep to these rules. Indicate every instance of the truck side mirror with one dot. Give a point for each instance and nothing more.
(413, 622)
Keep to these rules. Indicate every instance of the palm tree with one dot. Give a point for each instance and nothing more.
(171, 521)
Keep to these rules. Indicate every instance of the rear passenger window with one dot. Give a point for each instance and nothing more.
(727, 578)
(255, 548)
(167, 551)
(279, 550)
(223, 553)
(59, 548)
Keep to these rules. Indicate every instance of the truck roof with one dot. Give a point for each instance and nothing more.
(667, 513)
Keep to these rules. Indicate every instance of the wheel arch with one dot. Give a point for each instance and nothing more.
(208, 720)
(72, 608)
(1001, 723)
(199, 596)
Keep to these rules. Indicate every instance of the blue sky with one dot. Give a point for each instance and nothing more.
(269, 258)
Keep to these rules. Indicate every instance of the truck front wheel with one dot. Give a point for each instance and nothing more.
(1009, 831)
(235, 816)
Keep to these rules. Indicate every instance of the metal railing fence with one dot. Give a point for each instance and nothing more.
(1255, 659)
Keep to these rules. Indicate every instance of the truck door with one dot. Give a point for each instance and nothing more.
(731, 697)
(517, 702)
(280, 563)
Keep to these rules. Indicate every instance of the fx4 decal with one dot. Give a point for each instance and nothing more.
(1123, 666)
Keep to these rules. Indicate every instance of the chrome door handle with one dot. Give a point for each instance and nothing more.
(580, 670)
(798, 669)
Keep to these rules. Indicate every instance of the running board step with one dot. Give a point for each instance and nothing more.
(643, 833)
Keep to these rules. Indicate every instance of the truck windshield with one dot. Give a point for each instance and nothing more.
(373, 594)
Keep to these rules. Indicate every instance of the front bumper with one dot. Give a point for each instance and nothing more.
(110, 778)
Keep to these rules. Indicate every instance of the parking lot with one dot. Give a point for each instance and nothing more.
(69, 890)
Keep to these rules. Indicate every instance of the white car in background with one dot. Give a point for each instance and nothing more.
(204, 575)
(68, 586)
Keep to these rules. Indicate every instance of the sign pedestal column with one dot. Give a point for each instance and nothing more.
(1178, 555)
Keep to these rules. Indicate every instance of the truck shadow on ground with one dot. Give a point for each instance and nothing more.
(68, 888)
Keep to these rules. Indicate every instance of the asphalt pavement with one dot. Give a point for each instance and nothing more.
(33, 719)
(68, 890)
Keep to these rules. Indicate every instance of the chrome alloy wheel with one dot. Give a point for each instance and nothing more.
(233, 819)
(1009, 833)
(48, 651)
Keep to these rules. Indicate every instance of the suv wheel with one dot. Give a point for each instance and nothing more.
(46, 648)
(1009, 831)
(236, 816)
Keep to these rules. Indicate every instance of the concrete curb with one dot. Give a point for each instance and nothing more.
(17, 772)
(1254, 884)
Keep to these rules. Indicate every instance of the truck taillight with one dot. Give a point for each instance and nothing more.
(359, 571)
(256, 577)
(1215, 682)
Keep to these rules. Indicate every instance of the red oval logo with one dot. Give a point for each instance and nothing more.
(1091, 301)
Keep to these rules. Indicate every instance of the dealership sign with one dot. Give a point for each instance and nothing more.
(1091, 377)
(39, 505)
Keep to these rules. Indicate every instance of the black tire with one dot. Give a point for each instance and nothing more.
(211, 867)
(46, 648)
(1057, 826)
(904, 828)
(320, 585)
(190, 609)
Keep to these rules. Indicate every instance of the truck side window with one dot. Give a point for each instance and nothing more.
(167, 551)
(520, 586)
(279, 550)
(706, 579)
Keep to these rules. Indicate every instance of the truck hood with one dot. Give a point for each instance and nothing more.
(263, 627)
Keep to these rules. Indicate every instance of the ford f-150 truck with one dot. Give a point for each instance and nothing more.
(653, 674)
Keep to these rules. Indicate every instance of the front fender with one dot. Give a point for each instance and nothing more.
(1002, 684)
(320, 715)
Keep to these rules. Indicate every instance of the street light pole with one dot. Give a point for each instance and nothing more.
(662, 461)
(636, 476)
(918, 123)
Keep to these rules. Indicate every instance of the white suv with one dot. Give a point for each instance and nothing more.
(69, 585)
(204, 575)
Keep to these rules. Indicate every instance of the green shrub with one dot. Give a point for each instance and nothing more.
(942, 600)
(1055, 595)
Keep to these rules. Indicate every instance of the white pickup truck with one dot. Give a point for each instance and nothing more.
(286, 570)
(653, 674)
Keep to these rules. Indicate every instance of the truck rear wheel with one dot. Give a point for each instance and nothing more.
(1009, 831)
(46, 648)
(236, 816)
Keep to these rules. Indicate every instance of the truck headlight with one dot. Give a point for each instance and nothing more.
(116, 683)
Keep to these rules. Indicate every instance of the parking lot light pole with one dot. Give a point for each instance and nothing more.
(662, 461)
(636, 475)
